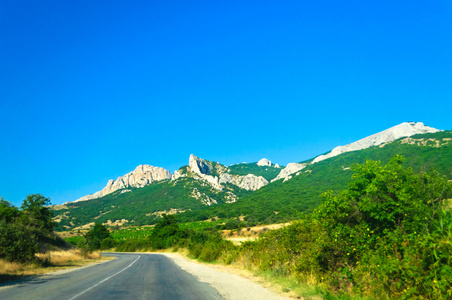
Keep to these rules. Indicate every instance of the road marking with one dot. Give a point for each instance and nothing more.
(88, 289)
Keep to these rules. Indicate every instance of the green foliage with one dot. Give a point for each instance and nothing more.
(275, 203)
(107, 243)
(36, 213)
(381, 200)
(96, 236)
(142, 206)
(23, 231)
(132, 245)
(244, 169)
(166, 233)
(387, 236)
(8, 212)
(16, 242)
(208, 246)
(281, 201)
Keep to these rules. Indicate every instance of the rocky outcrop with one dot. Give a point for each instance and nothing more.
(140, 177)
(288, 170)
(203, 197)
(177, 175)
(201, 168)
(388, 135)
(198, 165)
(249, 182)
(264, 163)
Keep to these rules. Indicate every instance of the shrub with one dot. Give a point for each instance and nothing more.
(16, 242)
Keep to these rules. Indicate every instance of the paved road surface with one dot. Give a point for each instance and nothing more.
(130, 276)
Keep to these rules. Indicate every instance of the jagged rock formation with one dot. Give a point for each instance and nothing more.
(249, 182)
(198, 165)
(388, 135)
(215, 174)
(202, 168)
(140, 177)
(288, 170)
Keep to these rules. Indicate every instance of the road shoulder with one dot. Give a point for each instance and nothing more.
(229, 285)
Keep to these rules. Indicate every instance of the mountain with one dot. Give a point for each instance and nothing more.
(250, 177)
(263, 192)
(405, 129)
(141, 197)
(285, 200)
(388, 135)
(140, 177)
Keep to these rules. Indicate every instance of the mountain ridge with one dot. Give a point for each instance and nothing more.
(216, 174)
(194, 199)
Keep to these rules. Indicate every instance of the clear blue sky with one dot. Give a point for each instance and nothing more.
(91, 89)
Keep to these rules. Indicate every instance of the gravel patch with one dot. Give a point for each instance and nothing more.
(228, 285)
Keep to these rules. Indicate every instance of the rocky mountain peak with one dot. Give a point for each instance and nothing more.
(140, 177)
(264, 163)
(198, 165)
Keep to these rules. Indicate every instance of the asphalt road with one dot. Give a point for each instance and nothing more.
(130, 276)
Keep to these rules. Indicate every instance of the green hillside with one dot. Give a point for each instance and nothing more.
(265, 171)
(283, 201)
(276, 202)
(145, 205)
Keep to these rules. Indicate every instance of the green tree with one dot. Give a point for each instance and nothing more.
(37, 214)
(96, 235)
(166, 233)
(7, 211)
(390, 224)
(379, 200)
(16, 241)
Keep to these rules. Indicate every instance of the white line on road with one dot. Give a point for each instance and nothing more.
(88, 289)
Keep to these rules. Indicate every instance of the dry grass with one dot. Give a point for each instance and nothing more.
(49, 262)
(61, 258)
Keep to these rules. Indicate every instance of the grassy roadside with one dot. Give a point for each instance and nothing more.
(48, 262)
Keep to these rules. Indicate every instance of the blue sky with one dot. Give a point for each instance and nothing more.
(91, 89)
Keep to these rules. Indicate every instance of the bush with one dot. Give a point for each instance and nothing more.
(96, 236)
(387, 236)
(16, 243)
(166, 233)
(107, 243)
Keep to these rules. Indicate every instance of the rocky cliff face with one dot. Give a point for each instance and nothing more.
(203, 169)
(248, 182)
(388, 135)
(199, 165)
(140, 177)
(288, 170)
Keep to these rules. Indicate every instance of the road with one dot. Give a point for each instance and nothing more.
(130, 276)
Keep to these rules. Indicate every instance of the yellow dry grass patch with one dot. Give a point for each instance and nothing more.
(56, 260)
(238, 236)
